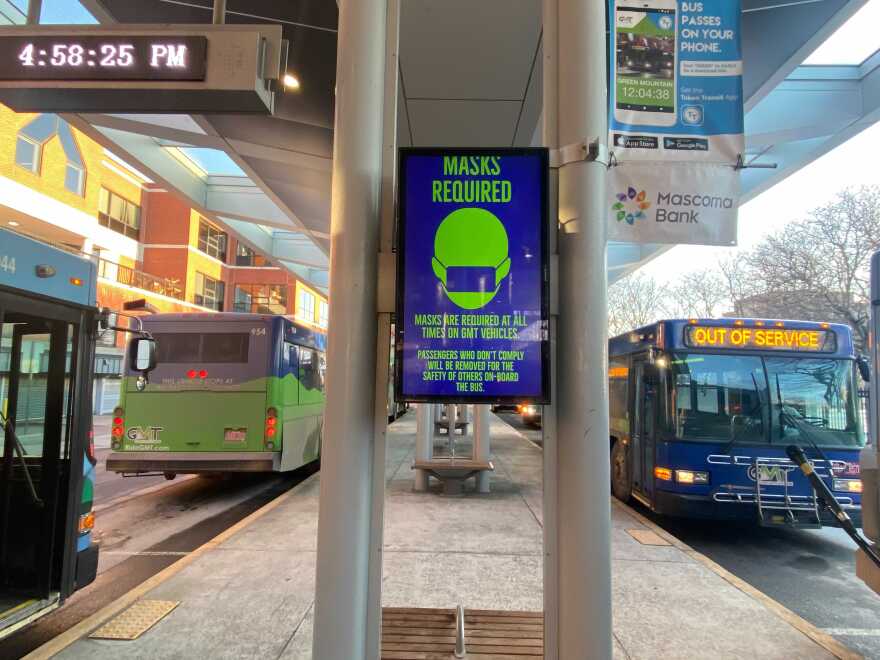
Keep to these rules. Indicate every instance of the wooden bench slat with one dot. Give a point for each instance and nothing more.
(450, 639)
(476, 633)
(429, 634)
(421, 655)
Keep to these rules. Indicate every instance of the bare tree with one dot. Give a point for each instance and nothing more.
(701, 293)
(738, 280)
(817, 268)
(634, 301)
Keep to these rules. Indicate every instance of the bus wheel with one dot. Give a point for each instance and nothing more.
(621, 486)
(170, 475)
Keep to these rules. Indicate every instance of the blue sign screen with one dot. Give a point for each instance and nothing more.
(472, 287)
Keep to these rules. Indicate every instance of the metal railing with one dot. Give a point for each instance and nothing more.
(165, 286)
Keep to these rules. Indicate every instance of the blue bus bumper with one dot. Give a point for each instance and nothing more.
(86, 565)
(681, 505)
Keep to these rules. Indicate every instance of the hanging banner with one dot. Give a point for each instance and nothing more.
(683, 203)
(676, 121)
(676, 93)
(472, 276)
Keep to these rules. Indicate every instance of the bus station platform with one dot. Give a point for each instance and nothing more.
(249, 593)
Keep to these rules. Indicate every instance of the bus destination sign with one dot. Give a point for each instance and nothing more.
(66, 57)
(758, 338)
(472, 276)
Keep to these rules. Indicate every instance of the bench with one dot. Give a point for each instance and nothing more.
(453, 471)
(411, 633)
(443, 426)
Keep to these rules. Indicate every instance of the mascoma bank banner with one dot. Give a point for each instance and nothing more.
(472, 276)
(687, 203)
(675, 120)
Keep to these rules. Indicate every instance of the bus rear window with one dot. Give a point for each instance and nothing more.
(226, 347)
(192, 348)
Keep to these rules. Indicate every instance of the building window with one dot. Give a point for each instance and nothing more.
(261, 298)
(212, 241)
(27, 154)
(75, 172)
(244, 256)
(75, 179)
(323, 313)
(305, 306)
(209, 292)
(29, 146)
(118, 214)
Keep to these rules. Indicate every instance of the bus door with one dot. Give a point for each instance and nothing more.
(644, 383)
(34, 467)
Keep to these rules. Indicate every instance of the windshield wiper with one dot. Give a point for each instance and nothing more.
(759, 408)
(804, 428)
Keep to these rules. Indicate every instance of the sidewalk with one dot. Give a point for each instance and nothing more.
(250, 592)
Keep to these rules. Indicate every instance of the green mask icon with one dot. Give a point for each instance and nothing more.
(471, 257)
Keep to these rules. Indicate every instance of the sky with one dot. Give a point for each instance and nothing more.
(853, 163)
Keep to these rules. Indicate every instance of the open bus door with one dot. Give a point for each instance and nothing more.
(38, 474)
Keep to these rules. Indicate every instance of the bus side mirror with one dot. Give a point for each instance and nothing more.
(142, 354)
(864, 368)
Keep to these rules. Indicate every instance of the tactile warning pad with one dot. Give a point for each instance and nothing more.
(136, 620)
(647, 537)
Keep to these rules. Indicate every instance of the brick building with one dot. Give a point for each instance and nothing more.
(60, 186)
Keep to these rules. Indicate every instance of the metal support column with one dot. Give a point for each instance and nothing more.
(219, 17)
(349, 546)
(424, 442)
(575, 105)
(35, 8)
(482, 444)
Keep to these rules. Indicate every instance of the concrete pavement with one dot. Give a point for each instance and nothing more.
(250, 593)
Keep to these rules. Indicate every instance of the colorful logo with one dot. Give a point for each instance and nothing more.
(631, 206)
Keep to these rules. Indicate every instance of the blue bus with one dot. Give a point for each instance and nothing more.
(48, 324)
(701, 411)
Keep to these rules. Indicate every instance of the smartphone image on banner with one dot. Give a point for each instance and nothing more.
(645, 62)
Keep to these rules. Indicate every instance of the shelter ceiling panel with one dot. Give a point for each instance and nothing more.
(772, 38)
(461, 49)
(308, 25)
(268, 131)
(463, 123)
(532, 104)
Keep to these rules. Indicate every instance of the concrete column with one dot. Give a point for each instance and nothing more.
(424, 440)
(583, 545)
(346, 502)
(481, 444)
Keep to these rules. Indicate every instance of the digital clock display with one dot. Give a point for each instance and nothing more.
(83, 57)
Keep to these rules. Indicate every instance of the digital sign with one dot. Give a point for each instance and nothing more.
(106, 57)
(472, 276)
(772, 339)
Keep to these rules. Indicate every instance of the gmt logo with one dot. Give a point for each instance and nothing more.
(771, 475)
(147, 435)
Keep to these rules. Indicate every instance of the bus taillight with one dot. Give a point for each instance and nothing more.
(118, 427)
(90, 448)
(271, 428)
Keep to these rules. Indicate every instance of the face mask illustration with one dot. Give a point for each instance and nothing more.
(471, 257)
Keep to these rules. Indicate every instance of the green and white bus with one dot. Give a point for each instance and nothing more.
(230, 393)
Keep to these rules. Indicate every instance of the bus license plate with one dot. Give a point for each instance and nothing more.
(235, 435)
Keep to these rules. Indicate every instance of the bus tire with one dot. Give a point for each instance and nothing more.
(170, 475)
(621, 482)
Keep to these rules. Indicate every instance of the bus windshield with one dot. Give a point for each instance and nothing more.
(776, 400)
